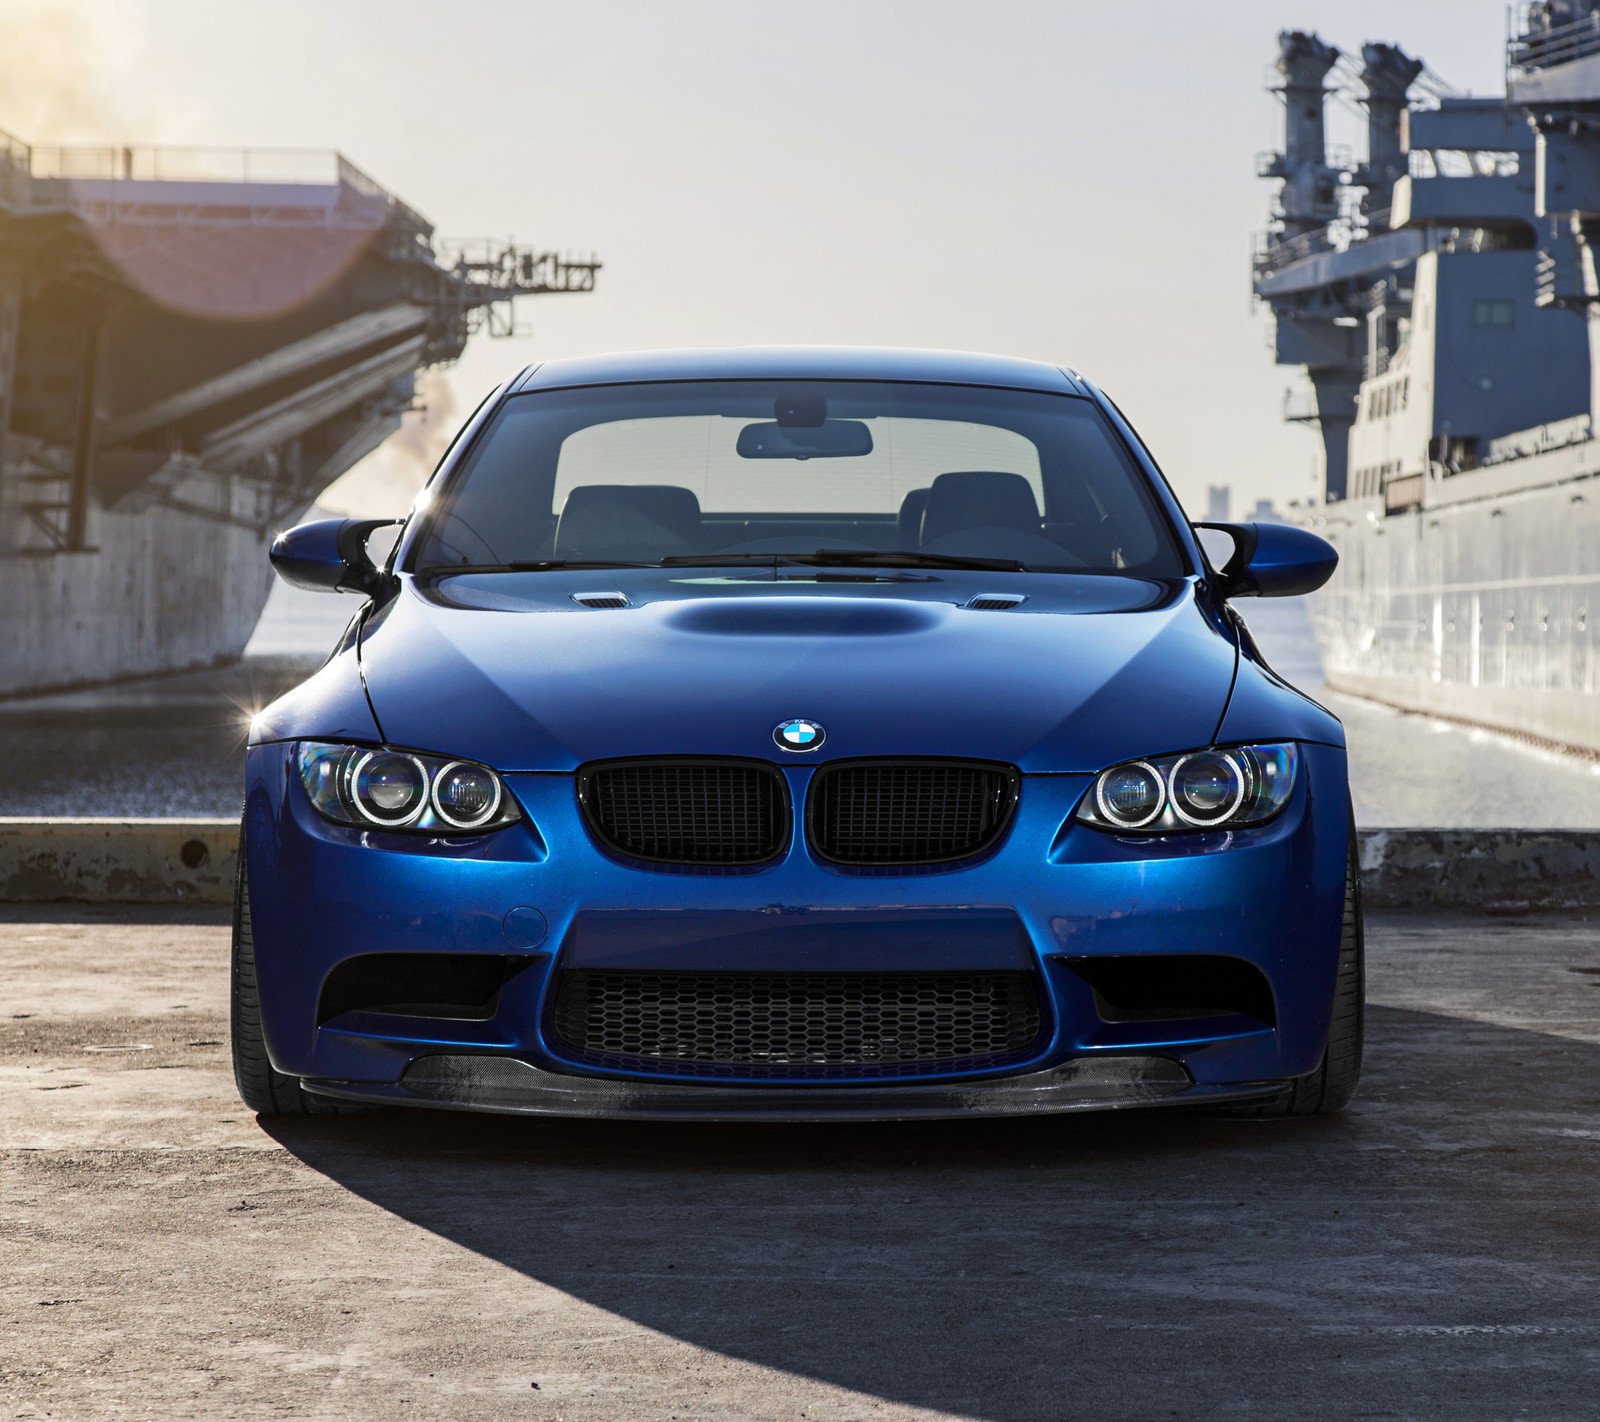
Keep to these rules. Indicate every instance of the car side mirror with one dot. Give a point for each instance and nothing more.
(1273, 560)
(329, 555)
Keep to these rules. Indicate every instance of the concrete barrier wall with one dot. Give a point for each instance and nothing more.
(1485, 871)
(118, 861)
(192, 861)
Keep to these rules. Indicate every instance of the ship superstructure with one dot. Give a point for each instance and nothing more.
(1441, 299)
(194, 344)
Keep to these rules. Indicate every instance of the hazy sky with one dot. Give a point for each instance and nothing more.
(1070, 181)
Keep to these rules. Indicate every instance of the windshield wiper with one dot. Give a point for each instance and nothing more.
(892, 559)
(712, 560)
(528, 565)
(822, 558)
(847, 557)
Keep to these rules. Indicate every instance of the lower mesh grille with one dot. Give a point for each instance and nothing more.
(908, 812)
(767, 1025)
(726, 812)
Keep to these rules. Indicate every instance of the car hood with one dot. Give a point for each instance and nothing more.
(511, 671)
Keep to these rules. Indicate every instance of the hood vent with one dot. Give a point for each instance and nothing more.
(601, 601)
(996, 602)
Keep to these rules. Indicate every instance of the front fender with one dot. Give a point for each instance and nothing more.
(1264, 707)
(332, 705)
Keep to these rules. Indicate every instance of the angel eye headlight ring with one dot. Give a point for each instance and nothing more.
(466, 796)
(1131, 796)
(388, 788)
(1207, 788)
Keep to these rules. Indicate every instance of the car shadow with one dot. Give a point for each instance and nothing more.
(1135, 1265)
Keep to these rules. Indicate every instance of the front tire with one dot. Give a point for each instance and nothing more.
(1331, 1087)
(263, 1088)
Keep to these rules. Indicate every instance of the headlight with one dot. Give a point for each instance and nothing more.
(378, 788)
(1224, 787)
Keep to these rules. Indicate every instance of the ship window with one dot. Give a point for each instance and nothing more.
(1498, 312)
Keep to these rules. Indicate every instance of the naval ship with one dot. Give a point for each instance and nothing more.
(193, 345)
(1442, 300)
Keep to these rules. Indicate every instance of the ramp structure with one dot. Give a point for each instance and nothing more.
(193, 344)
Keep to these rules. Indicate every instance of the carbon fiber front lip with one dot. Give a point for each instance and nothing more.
(480, 1082)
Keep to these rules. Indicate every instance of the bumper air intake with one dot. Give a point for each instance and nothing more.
(796, 1025)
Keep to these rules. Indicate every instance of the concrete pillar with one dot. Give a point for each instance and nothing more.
(77, 529)
(10, 312)
(1336, 392)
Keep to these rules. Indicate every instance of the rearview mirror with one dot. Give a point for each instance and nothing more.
(329, 555)
(829, 439)
(1273, 560)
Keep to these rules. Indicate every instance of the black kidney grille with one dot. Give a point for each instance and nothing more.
(908, 812)
(766, 1025)
(724, 812)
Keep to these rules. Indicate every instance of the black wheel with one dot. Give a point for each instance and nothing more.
(265, 1090)
(1332, 1085)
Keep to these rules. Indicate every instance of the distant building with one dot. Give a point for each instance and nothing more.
(1219, 499)
(1264, 512)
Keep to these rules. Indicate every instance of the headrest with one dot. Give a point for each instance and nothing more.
(629, 522)
(978, 498)
(910, 521)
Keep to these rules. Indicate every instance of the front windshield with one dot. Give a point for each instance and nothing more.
(748, 470)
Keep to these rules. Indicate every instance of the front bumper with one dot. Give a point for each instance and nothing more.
(1054, 896)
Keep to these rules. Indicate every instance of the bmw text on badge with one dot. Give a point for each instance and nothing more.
(799, 735)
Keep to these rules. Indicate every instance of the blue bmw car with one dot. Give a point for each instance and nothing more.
(798, 734)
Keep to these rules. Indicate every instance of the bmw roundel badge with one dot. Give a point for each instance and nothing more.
(799, 735)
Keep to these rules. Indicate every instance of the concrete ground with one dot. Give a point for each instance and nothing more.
(1434, 1252)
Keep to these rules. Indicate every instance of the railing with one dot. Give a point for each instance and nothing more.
(191, 165)
(513, 270)
(353, 177)
(14, 165)
(1274, 255)
(312, 167)
(1536, 49)
(1463, 163)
